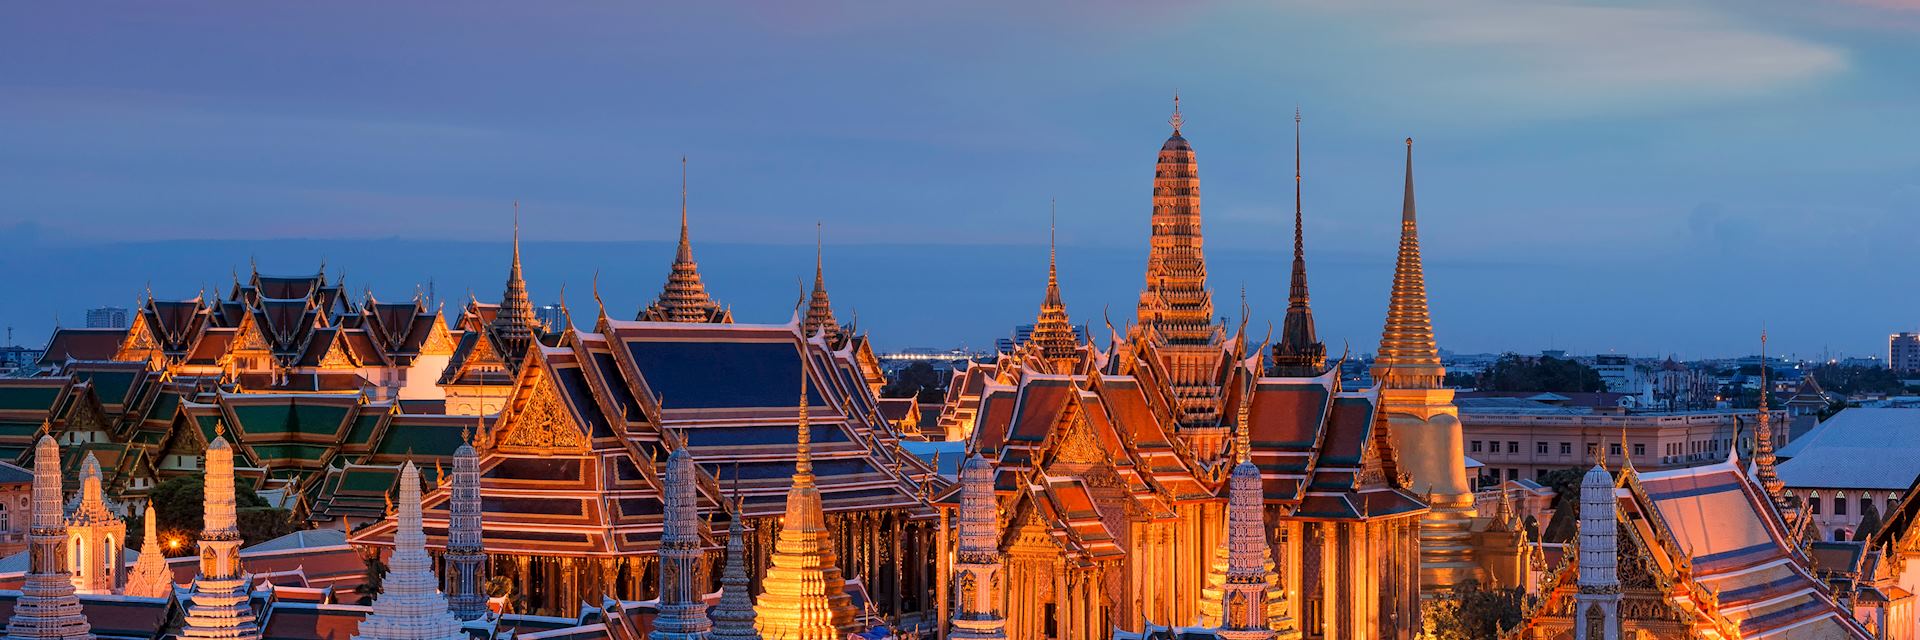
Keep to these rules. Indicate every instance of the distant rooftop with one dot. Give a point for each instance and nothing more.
(1857, 448)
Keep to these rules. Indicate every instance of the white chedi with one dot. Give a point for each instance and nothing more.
(410, 605)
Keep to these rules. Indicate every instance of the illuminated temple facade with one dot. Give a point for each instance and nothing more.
(1112, 468)
(680, 474)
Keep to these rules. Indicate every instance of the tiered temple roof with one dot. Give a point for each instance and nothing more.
(1707, 541)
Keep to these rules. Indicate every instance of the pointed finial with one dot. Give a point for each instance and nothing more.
(1626, 454)
(1176, 120)
(596, 295)
(219, 429)
(1406, 205)
(803, 465)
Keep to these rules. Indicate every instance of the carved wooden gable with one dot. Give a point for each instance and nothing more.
(438, 342)
(541, 420)
(139, 343)
(249, 339)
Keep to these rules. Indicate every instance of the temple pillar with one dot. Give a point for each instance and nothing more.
(944, 566)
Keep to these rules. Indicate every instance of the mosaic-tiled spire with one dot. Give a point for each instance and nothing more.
(684, 299)
(683, 607)
(150, 577)
(1053, 335)
(1599, 582)
(804, 596)
(733, 619)
(514, 325)
(1300, 352)
(977, 581)
(100, 535)
(216, 607)
(1176, 302)
(410, 605)
(1244, 596)
(1409, 358)
(1763, 455)
(819, 310)
(47, 608)
(466, 553)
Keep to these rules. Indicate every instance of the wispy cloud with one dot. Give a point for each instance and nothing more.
(1578, 59)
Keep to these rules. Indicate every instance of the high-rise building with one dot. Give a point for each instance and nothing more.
(107, 318)
(1903, 352)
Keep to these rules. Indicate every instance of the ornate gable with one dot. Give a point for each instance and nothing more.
(439, 342)
(338, 355)
(140, 343)
(539, 419)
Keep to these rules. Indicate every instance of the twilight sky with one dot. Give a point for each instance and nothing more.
(1640, 177)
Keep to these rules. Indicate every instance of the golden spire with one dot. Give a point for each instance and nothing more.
(514, 325)
(1053, 336)
(804, 596)
(1409, 358)
(819, 311)
(1175, 303)
(1243, 430)
(1300, 352)
(1763, 455)
(803, 463)
(684, 298)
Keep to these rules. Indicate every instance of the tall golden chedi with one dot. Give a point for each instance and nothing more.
(47, 608)
(1420, 415)
(216, 607)
(1176, 308)
(804, 596)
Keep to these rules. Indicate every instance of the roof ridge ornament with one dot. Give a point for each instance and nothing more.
(1176, 120)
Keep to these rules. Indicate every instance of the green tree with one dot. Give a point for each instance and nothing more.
(1474, 613)
(179, 504)
(918, 379)
(1869, 523)
(375, 574)
(1514, 372)
(1565, 484)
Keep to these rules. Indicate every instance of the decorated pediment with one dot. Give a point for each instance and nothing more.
(139, 343)
(338, 355)
(439, 342)
(541, 419)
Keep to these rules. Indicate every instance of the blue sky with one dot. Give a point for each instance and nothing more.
(1639, 177)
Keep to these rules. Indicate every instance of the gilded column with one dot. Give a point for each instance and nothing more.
(47, 608)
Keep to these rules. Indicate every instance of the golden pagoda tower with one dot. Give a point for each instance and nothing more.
(1300, 352)
(804, 596)
(819, 319)
(1053, 338)
(1420, 415)
(684, 299)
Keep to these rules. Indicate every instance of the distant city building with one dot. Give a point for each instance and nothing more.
(1903, 352)
(550, 315)
(107, 318)
(1022, 333)
(1620, 373)
(1518, 437)
(18, 360)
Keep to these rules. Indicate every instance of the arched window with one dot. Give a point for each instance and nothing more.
(79, 547)
(107, 556)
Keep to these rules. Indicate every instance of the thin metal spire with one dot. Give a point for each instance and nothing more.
(1176, 120)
